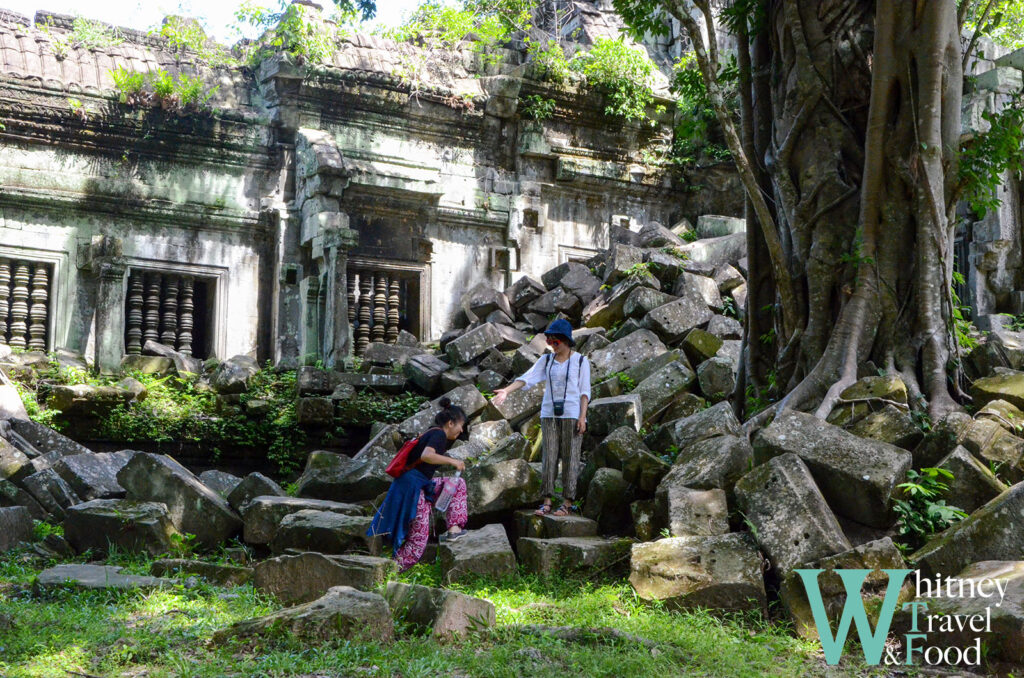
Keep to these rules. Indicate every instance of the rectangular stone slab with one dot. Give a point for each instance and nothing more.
(485, 551)
(128, 525)
(624, 353)
(15, 527)
(444, 612)
(720, 572)
(325, 532)
(857, 476)
(262, 515)
(560, 554)
(993, 532)
(94, 476)
(791, 521)
(193, 507)
(307, 576)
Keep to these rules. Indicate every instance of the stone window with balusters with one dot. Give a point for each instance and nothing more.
(170, 309)
(25, 303)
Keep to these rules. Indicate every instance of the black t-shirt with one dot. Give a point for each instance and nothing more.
(434, 438)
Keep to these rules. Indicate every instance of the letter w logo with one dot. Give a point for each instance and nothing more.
(853, 609)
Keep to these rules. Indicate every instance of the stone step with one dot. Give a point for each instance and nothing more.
(485, 551)
(262, 515)
(528, 524)
(550, 556)
(222, 575)
(325, 532)
(95, 577)
(302, 577)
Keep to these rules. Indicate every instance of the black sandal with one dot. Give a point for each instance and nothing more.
(543, 510)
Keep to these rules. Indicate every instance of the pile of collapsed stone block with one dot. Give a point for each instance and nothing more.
(699, 511)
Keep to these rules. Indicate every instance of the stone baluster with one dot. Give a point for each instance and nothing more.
(37, 312)
(394, 297)
(351, 291)
(185, 320)
(151, 326)
(365, 301)
(133, 334)
(169, 312)
(5, 294)
(380, 307)
(19, 306)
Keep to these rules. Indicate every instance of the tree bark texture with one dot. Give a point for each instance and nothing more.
(850, 147)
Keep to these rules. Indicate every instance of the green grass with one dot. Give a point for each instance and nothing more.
(166, 633)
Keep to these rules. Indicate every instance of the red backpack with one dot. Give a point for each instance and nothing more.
(400, 464)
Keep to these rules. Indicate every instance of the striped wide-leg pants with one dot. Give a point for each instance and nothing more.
(561, 444)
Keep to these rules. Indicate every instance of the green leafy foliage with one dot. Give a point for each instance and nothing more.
(294, 29)
(760, 397)
(963, 328)
(367, 406)
(186, 35)
(160, 88)
(42, 529)
(643, 17)
(536, 107)
(84, 34)
(729, 307)
(987, 156)
(1004, 23)
(624, 74)
(437, 24)
(920, 511)
(698, 137)
(627, 382)
(550, 61)
(641, 270)
(186, 411)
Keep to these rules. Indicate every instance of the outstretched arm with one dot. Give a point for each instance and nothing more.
(430, 456)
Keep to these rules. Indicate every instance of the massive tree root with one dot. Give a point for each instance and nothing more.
(900, 314)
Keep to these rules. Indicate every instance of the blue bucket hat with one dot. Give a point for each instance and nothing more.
(562, 328)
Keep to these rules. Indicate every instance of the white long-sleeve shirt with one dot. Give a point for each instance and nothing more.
(547, 369)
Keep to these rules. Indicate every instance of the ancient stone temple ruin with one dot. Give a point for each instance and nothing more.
(310, 210)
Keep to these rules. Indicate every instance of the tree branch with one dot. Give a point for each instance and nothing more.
(769, 227)
(977, 31)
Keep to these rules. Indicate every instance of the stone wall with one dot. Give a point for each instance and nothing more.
(305, 183)
(990, 245)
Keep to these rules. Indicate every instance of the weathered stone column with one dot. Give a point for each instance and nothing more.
(338, 239)
(110, 269)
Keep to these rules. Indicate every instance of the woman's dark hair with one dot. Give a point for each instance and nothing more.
(449, 413)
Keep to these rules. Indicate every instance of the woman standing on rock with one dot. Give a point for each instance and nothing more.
(563, 412)
(404, 517)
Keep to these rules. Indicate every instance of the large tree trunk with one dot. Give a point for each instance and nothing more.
(859, 154)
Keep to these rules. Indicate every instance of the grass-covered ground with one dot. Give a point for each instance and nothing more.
(167, 633)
